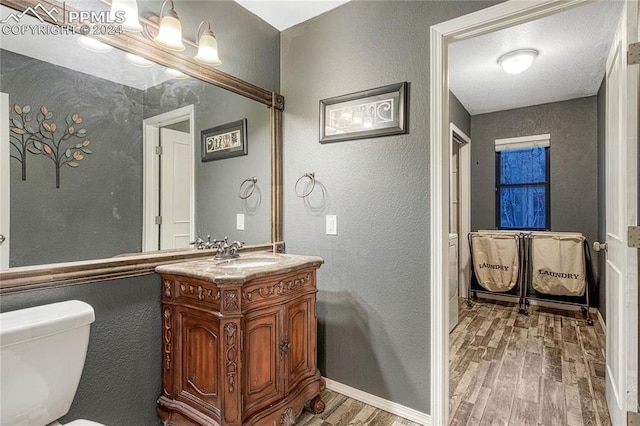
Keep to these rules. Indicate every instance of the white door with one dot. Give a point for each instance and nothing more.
(176, 163)
(621, 211)
(5, 210)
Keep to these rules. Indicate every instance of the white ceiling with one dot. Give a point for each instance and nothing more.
(572, 45)
(287, 13)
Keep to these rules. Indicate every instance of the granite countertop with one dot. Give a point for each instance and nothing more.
(241, 269)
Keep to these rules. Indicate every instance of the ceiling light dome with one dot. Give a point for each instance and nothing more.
(517, 61)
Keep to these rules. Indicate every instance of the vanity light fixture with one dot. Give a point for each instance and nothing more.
(175, 74)
(94, 45)
(170, 33)
(130, 9)
(138, 61)
(207, 45)
(517, 61)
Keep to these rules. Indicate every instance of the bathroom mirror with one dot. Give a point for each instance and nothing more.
(84, 189)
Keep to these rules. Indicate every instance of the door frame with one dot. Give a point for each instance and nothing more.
(151, 166)
(464, 209)
(484, 21)
(5, 181)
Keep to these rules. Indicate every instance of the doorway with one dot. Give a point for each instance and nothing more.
(169, 175)
(499, 17)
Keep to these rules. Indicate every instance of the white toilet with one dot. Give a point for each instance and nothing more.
(42, 353)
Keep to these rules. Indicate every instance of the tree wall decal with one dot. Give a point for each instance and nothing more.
(46, 138)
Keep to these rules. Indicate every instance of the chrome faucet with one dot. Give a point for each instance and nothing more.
(201, 244)
(224, 250)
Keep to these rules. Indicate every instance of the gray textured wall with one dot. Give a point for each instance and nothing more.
(601, 258)
(574, 161)
(122, 375)
(217, 182)
(459, 115)
(97, 211)
(573, 126)
(373, 308)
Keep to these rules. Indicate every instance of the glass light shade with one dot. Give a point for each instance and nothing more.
(175, 74)
(517, 61)
(94, 45)
(130, 9)
(138, 61)
(208, 49)
(170, 34)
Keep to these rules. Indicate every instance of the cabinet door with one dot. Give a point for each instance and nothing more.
(198, 376)
(262, 366)
(301, 334)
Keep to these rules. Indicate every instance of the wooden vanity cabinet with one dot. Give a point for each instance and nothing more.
(239, 353)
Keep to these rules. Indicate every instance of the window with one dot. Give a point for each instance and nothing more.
(522, 185)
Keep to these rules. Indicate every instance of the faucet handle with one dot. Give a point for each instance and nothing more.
(198, 243)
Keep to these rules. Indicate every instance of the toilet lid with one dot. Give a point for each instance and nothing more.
(82, 422)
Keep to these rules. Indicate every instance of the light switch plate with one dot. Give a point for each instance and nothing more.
(332, 224)
(240, 222)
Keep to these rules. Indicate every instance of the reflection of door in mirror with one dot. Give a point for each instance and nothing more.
(169, 201)
(176, 172)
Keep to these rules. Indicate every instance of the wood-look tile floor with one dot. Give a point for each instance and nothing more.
(344, 411)
(547, 368)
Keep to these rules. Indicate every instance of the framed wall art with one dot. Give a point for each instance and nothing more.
(366, 114)
(224, 141)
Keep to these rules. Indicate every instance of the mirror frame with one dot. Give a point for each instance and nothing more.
(60, 274)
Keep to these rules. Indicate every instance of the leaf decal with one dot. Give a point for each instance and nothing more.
(78, 155)
(86, 143)
(68, 153)
(87, 151)
(48, 116)
(40, 117)
(18, 131)
(68, 120)
(46, 126)
(74, 117)
(70, 130)
(81, 133)
(17, 123)
(72, 164)
(26, 109)
(17, 109)
(47, 149)
(79, 120)
(28, 116)
(34, 150)
(38, 145)
(29, 129)
(44, 110)
(53, 127)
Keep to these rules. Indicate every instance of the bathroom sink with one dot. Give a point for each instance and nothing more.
(248, 263)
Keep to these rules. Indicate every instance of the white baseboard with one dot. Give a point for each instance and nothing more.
(381, 403)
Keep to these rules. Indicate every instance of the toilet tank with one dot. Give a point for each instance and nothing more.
(42, 353)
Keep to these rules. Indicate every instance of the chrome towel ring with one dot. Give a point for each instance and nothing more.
(251, 181)
(312, 177)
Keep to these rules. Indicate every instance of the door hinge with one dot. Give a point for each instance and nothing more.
(633, 54)
(158, 150)
(633, 236)
(158, 220)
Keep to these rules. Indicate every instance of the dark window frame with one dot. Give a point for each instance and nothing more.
(546, 184)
